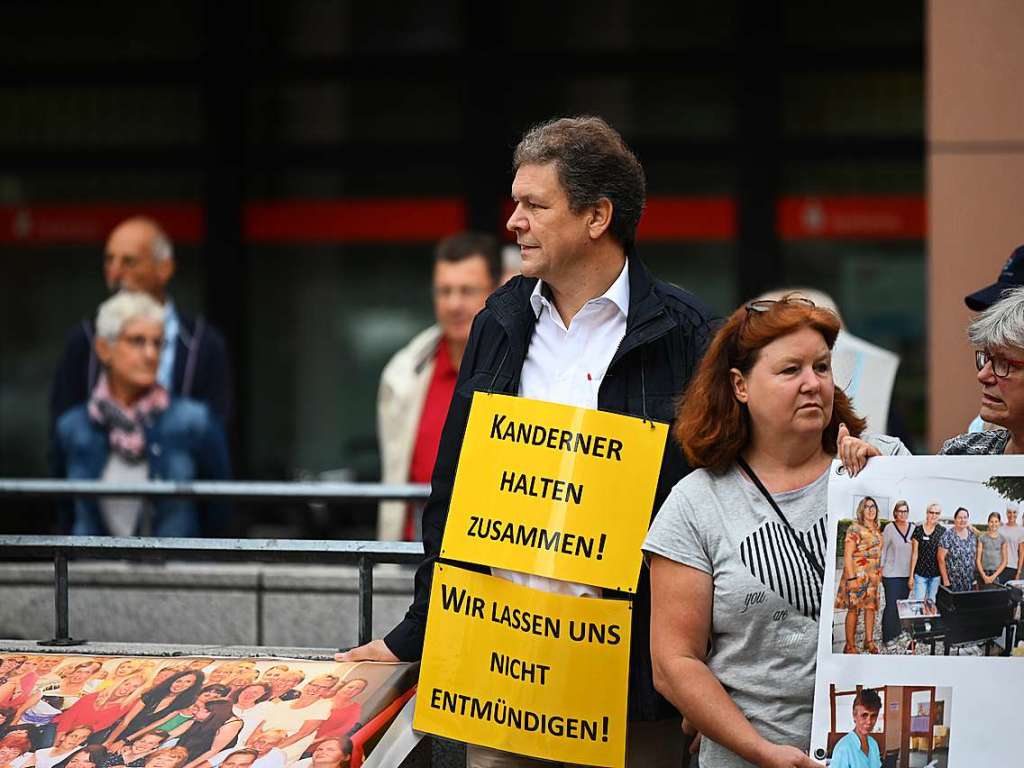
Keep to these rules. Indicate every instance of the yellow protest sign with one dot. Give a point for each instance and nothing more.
(529, 672)
(554, 490)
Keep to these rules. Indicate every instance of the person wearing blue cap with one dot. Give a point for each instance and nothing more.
(1010, 276)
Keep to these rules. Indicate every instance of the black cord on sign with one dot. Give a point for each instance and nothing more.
(490, 389)
(643, 385)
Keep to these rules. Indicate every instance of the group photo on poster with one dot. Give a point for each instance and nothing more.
(65, 711)
(893, 558)
(923, 607)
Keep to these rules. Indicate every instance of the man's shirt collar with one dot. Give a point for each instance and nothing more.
(617, 293)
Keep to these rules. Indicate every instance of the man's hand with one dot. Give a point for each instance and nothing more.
(853, 452)
(375, 650)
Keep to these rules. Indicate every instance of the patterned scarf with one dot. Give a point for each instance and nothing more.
(125, 427)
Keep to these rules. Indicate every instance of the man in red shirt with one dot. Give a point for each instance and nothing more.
(416, 385)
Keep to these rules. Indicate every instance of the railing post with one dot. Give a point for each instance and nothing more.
(365, 600)
(60, 602)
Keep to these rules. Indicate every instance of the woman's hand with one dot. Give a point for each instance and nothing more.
(853, 452)
(910, 583)
(777, 756)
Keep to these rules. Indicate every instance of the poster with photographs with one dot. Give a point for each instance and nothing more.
(921, 644)
(74, 711)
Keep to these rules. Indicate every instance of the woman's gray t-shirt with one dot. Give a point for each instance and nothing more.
(991, 551)
(766, 597)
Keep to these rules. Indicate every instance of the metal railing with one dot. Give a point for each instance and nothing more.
(225, 491)
(363, 554)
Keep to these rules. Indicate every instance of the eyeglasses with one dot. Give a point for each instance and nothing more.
(1001, 366)
(763, 305)
(139, 342)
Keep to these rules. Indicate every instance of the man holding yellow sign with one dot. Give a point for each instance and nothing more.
(586, 326)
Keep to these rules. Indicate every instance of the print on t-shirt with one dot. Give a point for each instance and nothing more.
(776, 560)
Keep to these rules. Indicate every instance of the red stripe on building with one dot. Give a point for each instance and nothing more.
(851, 218)
(356, 220)
(428, 219)
(675, 218)
(91, 223)
(688, 218)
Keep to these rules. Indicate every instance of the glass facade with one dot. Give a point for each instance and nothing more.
(233, 108)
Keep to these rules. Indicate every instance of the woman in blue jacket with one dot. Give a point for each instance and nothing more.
(132, 431)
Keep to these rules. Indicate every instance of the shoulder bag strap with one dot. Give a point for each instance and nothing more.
(812, 559)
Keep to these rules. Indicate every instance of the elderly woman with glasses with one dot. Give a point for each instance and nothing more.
(998, 338)
(132, 430)
(737, 552)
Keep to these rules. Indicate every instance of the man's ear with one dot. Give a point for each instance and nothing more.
(165, 270)
(739, 385)
(600, 218)
(103, 350)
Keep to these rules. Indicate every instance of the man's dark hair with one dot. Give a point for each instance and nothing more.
(465, 245)
(869, 699)
(592, 161)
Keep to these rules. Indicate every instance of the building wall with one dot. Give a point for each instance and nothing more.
(975, 165)
(893, 717)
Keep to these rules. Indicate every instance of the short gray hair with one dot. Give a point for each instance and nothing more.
(1002, 324)
(592, 161)
(122, 307)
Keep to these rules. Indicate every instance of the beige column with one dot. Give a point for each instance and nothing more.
(975, 107)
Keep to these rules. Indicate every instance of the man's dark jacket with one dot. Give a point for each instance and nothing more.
(667, 331)
(200, 368)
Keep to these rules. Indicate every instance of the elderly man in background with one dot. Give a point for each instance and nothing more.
(193, 363)
(416, 385)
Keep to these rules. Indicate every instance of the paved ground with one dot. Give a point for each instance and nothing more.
(900, 646)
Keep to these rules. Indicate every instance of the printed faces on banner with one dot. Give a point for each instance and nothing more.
(529, 672)
(554, 491)
(102, 702)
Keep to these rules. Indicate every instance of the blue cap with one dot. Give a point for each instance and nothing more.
(1011, 276)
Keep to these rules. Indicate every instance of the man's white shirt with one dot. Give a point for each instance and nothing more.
(567, 365)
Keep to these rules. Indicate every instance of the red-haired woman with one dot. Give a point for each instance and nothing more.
(737, 552)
